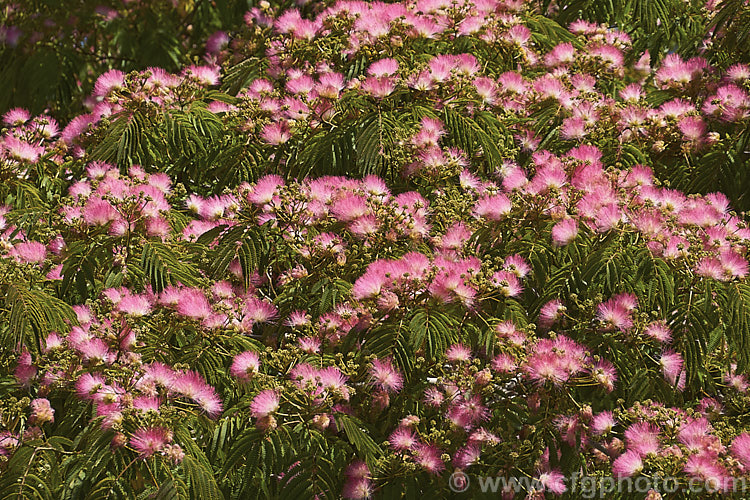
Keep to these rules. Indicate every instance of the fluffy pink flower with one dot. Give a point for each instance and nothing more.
(494, 207)
(628, 464)
(659, 330)
(458, 352)
(504, 363)
(553, 481)
(264, 403)
(191, 385)
(564, 232)
(466, 456)
(30, 252)
(245, 365)
(25, 370)
(550, 313)
(276, 133)
(109, 81)
(41, 412)
(134, 305)
(193, 303)
(605, 374)
(705, 467)
(741, 449)
(402, 439)
(98, 212)
(379, 87)
(357, 489)
(671, 365)
(260, 311)
(642, 438)
(350, 207)
(148, 442)
(428, 457)
(602, 423)
(385, 376)
(16, 117)
(383, 67)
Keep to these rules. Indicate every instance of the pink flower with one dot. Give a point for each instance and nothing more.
(692, 128)
(25, 370)
(428, 457)
(350, 207)
(260, 311)
(660, 331)
(276, 133)
(134, 305)
(458, 352)
(41, 412)
(245, 365)
(741, 449)
(149, 441)
(553, 482)
(310, 345)
(564, 232)
(385, 376)
(605, 374)
(383, 67)
(468, 412)
(109, 81)
(160, 373)
(466, 456)
(193, 304)
(602, 423)
(614, 316)
(704, 466)
(504, 363)
(358, 484)
(494, 207)
(357, 489)
(16, 117)
(550, 313)
(20, 150)
(174, 453)
(265, 189)
(264, 403)
(402, 439)
(192, 385)
(628, 464)
(671, 365)
(379, 87)
(642, 438)
(99, 212)
(30, 252)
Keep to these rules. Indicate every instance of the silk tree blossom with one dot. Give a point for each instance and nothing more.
(602, 423)
(550, 313)
(385, 376)
(428, 457)
(552, 481)
(358, 484)
(671, 364)
(628, 464)
(149, 441)
(564, 232)
(41, 411)
(642, 438)
(191, 384)
(30, 252)
(264, 403)
(402, 439)
(245, 365)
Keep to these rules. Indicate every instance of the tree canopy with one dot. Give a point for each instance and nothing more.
(368, 249)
